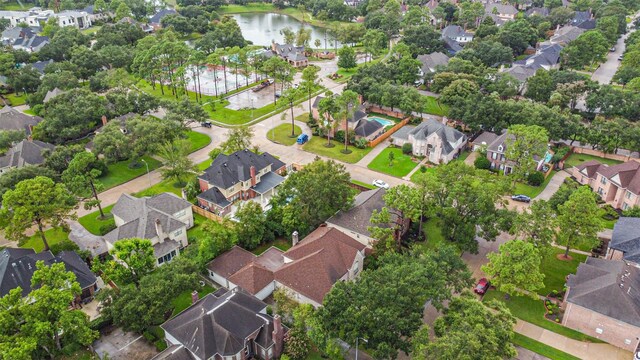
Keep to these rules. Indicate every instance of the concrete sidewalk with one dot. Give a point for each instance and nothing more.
(583, 350)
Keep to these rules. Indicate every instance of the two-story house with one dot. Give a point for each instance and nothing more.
(232, 325)
(499, 12)
(496, 153)
(240, 176)
(164, 219)
(625, 241)
(307, 271)
(618, 185)
(26, 152)
(436, 141)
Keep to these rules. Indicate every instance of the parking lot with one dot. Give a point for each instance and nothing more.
(120, 345)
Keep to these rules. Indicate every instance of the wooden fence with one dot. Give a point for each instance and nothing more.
(208, 214)
(388, 112)
(389, 132)
(598, 153)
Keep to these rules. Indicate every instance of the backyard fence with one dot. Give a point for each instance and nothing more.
(389, 132)
(598, 153)
(384, 111)
(208, 214)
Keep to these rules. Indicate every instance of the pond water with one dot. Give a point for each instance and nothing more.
(263, 28)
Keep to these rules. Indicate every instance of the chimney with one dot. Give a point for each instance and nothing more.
(252, 171)
(194, 297)
(278, 336)
(104, 120)
(294, 238)
(159, 231)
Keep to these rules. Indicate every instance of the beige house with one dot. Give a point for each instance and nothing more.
(164, 219)
(432, 139)
(603, 301)
(618, 185)
(307, 271)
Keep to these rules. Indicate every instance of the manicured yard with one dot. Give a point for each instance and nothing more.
(16, 100)
(92, 223)
(533, 311)
(282, 134)
(555, 271)
(433, 107)
(577, 159)
(14, 6)
(29, 112)
(532, 191)
(120, 172)
(162, 186)
(402, 164)
(304, 117)
(205, 164)
(363, 184)
(183, 300)
(280, 243)
(433, 233)
(198, 140)
(53, 236)
(540, 348)
(419, 171)
(316, 146)
(197, 231)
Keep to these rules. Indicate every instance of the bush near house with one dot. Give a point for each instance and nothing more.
(481, 162)
(535, 178)
(407, 148)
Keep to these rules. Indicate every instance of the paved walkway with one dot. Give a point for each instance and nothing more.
(373, 153)
(553, 185)
(583, 350)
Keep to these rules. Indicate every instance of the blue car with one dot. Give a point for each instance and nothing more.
(303, 138)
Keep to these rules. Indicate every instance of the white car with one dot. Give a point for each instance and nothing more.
(381, 184)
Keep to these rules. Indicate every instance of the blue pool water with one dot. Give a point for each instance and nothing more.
(382, 121)
(547, 157)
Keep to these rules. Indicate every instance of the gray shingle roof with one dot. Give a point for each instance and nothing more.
(608, 287)
(26, 152)
(213, 195)
(157, 17)
(220, 325)
(357, 218)
(505, 9)
(521, 72)
(12, 119)
(51, 94)
(18, 265)
(454, 31)
(431, 61)
(228, 170)
(626, 238)
(447, 135)
(40, 65)
(367, 127)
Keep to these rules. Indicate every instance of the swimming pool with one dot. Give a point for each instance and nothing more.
(382, 121)
(547, 157)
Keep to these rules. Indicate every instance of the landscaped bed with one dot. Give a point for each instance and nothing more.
(533, 191)
(555, 271)
(317, 146)
(577, 159)
(401, 165)
(282, 134)
(94, 224)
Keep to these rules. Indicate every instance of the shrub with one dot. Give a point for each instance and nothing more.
(361, 143)
(609, 213)
(160, 344)
(535, 178)
(407, 148)
(423, 169)
(340, 137)
(65, 245)
(105, 228)
(482, 162)
(100, 323)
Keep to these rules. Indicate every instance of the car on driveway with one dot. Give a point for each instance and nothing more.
(381, 184)
(613, 49)
(206, 124)
(521, 198)
(482, 286)
(620, 57)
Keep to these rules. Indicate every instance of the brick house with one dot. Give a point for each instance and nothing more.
(240, 176)
(496, 153)
(307, 271)
(225, 325)
(603, 301)
(618, 185)
(625, 241)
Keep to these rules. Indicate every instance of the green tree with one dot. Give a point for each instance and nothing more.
(327, 108)
(394, 295)
(217, 239)
(457, 91)
(346, 58)
(38, 201)
(579, 220)
(540, 86)
(239, 138)
(137, 256)
(524, 143)
(590, 47)
(401, 203)
(251, 226)
(515, 269)
(328, 180)
(309, 82)
(374, 42)
(469, 327)
(537, 225)
(81, 177)
(517, 35)
(122, 11)
(177, 165)
(347, 104)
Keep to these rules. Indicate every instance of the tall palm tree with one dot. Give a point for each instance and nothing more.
(348, 103)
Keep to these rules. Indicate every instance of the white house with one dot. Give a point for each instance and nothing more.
(438, 142)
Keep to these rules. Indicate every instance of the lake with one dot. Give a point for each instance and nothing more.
(263, 28)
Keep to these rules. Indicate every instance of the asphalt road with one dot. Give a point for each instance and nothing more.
(605, 72)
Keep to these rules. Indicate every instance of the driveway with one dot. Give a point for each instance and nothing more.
(605, 72)
(475, 261)
(121, 345)
(553, 185)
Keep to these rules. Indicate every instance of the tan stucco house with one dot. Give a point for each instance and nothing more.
(618, 185)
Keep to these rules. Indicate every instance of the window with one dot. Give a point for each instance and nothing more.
(600, 191)
(627, 341)
(500, 148)
(177, 232)
(603, 180)
(625, 206)
(181, 213)
(628, 194)
(494, 156)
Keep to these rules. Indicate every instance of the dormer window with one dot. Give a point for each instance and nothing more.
(501, 148)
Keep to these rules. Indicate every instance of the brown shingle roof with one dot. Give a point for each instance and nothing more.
(253, 277)
(231, 261)
(591, 167)
(628, 173)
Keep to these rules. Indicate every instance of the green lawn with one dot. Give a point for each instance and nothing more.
(120, 173)
(432, 107)
(401, 165)
(419, 171)
(90, 31)
(433, 233)
(159, 188)
(280, 243)
(533, 191)
(198, 140)
(12, 6)
(53, 236)
(29, 112)
(555, 271)
(577, 159)
(282, 134)
(540, 348)
(16, 100)
(363, 184)
(533, 311)
(92, 223)
(205, 164)
(196, 231)
(316, 145)
(183, 300)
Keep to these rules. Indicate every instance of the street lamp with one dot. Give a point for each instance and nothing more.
(148, 175)
(363, 339)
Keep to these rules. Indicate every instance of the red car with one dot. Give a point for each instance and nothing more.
(482, 286)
